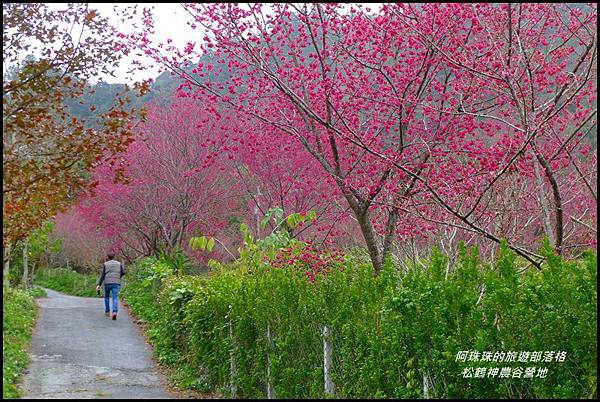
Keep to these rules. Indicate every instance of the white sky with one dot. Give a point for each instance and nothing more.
(170, 22)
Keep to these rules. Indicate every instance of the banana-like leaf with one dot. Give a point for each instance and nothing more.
(210, 244)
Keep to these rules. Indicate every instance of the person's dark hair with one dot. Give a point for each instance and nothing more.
(110, 256)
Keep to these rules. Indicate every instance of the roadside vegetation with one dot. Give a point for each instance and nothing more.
(390, 334)
(18, 319)
(67, 281)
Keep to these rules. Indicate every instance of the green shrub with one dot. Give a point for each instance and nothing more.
(67, 281)
(18, 316)
(155, 295)
(388, 332)
(37, 292)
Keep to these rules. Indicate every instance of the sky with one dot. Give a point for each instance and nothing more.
(170, 22)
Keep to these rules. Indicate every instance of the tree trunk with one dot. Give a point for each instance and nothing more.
(546, 220)
(32, 273)
(557, 203)
(24, 280)
(366, 228)
(390, 233)
(6, 258)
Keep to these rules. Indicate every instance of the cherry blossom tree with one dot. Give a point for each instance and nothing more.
(82, 243)
(46, 149)
(276, 173)
(159, 201)
(424, 117)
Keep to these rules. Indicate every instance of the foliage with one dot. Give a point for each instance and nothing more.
(417, 117)
(202, 243)
(387, 331)
(40, 245)
(38, 292)
(40, 241)
(162, 204)
(46, 150)
(67, 281)
(18, 316)
(83, 245)
(261, 252)
(150, 277)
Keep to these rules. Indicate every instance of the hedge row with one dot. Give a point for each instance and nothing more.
(250, 326)
(67, 281)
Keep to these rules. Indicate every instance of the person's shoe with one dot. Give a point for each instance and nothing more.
(107, 314)
(114, 316)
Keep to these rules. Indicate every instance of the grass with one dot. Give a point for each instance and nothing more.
(67, 281)
(18, 318)
(37, 292)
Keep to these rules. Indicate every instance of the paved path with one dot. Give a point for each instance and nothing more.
(78, 353)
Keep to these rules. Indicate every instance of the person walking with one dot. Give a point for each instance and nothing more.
(112, 272)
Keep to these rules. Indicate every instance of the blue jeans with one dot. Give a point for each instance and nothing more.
(108, 287)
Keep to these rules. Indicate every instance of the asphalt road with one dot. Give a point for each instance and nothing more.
(76, 352)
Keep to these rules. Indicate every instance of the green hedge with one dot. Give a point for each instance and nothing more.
(18, 317)
(67, 281)
(388, 333)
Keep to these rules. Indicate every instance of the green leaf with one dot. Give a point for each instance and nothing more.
(294, 219)
(246, 232)
(210, 244)
(202, 243)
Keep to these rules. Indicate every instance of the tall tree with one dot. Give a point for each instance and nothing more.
(173, 184)
(47, 151)
(421, 114)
